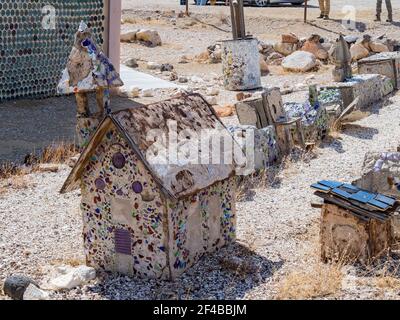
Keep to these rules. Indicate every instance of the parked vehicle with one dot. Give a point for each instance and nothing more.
(260, 3)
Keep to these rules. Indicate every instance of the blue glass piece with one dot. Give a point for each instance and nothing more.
(362, 196)
(330, 184)
(341, 193)
(388, 200)
(320, 187)
(350, 187)
(378, 204)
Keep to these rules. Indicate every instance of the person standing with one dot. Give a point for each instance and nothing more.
(325, 7)
(379, 10)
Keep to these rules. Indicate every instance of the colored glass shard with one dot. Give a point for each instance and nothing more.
(362, 196)
(378, 204)
(320, 187)
(330, 184)
(388, 200)
(341, 193)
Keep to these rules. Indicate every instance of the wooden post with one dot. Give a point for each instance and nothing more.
(305, 11)
(187, 8)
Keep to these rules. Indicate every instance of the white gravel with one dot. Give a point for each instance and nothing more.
(276, 226)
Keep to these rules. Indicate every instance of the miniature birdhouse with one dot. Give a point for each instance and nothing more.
(88, 70)
(143, 213)
(355, 223)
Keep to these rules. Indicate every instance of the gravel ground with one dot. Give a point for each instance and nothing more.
(277, 228)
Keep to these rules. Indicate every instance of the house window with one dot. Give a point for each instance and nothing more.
(123, 242)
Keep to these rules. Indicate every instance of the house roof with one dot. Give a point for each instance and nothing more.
(367, 205)
(88, 67)
(150, 130)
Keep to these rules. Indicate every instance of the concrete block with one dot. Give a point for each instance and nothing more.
(385, 63)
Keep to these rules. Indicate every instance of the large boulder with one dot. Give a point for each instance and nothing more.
(358, 51)
(129, 36)
(299, 61)
(150, 37)
(289, 38)
(285, 48)
(15, 286)
(378, 47)
(314, 46)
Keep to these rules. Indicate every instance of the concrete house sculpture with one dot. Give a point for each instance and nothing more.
(144, 215)
(87, 70)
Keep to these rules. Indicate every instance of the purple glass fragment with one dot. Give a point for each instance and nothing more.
(137, 187)
(118, 160)
(100, 184)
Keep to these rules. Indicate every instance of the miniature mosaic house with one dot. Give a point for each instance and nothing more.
(88, 69)
(147, 218)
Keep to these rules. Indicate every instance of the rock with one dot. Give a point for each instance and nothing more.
(15, 286)
(203, 57)
(241, 96)
(263, 65)
(166, 67)
(216, 56)
(285, 48)
(183, 79)
(299, 61)
(289, 38)
(150, 37)
(32, 292)
(378, 47)
(73, 160)
(72, 277)
(358, 51)
(148, 93)
(225, 111)
(153, 66)
(212, 101)
(47, 167)
(314, 46)
(196, 79)
(128, 36)
(365, 41)
(275, 58)
(184, 59)
(351, 39)
(212, 92)
(134, 92)
(131, 63)
(173, 76)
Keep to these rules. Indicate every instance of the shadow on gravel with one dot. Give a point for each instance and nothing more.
(31, 125)
(332, 143)
(226, 274)
(360, 132)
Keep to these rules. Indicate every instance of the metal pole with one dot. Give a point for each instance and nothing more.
(187, 8)
(233, 21)
(305, 11)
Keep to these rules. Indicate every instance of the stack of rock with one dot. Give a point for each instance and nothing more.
(366, 46)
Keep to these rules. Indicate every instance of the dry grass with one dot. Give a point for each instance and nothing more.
(58, 153)
(71, 261)
(313, 279)
(318, 281)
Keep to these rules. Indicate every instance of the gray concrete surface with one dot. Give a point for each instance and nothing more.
(30, 125)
